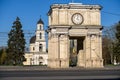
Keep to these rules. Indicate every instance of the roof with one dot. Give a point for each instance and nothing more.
(33, 39)
(40, 21)
(73, 6)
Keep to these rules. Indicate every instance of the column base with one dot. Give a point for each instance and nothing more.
(94, 63)
(58, 63)
(91, 63)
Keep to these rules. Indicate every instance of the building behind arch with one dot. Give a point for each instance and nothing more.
(37, 54)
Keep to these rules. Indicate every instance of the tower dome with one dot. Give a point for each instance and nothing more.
(33, 39)
(40, 21)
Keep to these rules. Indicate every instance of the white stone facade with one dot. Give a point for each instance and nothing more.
(36, 58)
(37, 54)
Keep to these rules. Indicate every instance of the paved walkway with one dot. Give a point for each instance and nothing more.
(30, 68)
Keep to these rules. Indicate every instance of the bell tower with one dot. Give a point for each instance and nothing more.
(40, 37)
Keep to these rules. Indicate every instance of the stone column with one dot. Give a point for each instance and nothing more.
(93, 46)
(94, 52)
(53, 47)
(96, 55)
(64, 51)
(88, 51)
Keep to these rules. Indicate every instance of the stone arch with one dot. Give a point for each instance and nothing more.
(40, 47)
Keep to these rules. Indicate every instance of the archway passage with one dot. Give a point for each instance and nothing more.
(76, 45)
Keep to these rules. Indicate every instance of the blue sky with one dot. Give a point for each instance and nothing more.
(29, 12)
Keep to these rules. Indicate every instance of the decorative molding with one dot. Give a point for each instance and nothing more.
(75, 6)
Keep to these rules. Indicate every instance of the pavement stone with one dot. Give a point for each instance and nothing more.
(32, 68)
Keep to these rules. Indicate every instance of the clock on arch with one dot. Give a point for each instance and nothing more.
(77, 18)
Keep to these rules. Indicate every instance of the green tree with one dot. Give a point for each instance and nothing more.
(16, 44)
(106, 50)
(116, 47)
(0, 54)
(3, 57)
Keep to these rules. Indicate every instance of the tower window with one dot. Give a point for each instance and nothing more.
(40, 35)
(40, 57)
(40, 47)
(33, 48)
(40, 27)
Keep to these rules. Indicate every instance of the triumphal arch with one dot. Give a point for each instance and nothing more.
(74, 36)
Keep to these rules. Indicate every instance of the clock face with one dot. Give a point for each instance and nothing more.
(77, 18)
